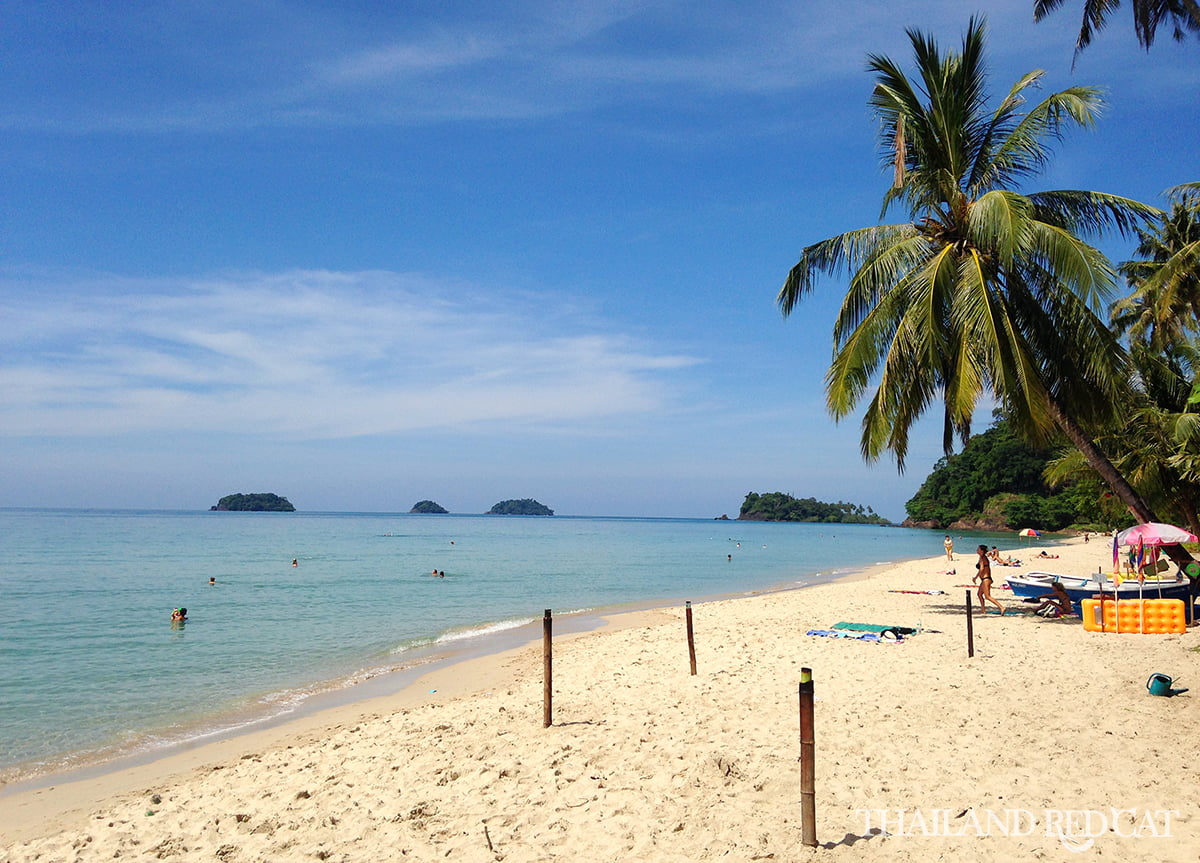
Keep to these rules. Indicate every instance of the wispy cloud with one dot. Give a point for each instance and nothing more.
(307, 355)
(291, 67)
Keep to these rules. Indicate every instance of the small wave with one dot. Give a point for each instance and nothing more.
(485, 629)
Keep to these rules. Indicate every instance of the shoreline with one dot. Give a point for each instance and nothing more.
(373, 684)
(477, 658)
(645, 761)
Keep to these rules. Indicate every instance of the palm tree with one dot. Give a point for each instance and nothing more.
(1157, 445)
(1148, 15)
(983, 289)
(1164, 308)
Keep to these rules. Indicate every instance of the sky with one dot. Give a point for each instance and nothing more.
(363, 254)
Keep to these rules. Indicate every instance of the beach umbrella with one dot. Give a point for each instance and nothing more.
(1029, 532)
(1155, 533)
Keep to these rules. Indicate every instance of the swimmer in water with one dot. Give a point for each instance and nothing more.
(179, 615)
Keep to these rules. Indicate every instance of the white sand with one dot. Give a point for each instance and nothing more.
(645, 762)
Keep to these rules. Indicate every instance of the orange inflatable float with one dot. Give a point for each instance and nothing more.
(1149, 616)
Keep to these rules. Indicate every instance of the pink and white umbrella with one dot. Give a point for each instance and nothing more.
(1154, 533)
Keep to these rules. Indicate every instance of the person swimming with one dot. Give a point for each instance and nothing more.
(179, 615)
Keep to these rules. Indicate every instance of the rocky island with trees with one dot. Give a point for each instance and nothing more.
(258, 502)
(524, 506)
(777, 506)
(428, 507)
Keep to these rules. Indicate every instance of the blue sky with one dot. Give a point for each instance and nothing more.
(361, 255)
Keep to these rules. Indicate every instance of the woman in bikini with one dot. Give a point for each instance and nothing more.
(984, 574)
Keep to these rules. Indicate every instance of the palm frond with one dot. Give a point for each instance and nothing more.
(830, 256)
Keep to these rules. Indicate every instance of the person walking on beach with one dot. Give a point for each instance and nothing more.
(949, 543)
(984, 576)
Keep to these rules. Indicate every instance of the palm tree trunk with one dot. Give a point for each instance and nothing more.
(1099, 462)
(1188, 504)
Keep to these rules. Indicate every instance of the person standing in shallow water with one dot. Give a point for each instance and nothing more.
(984, 576)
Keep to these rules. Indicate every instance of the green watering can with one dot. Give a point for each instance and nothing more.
(1160, 684)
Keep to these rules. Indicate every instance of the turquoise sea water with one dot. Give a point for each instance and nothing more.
(91, 666)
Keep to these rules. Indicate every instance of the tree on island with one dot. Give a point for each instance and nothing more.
(260, 502)
(983, 289)
(428, 507)
(524, 506)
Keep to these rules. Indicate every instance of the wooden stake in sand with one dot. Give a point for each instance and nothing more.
(970, 628)
(691, 639)
(547, 671)
(808, 771)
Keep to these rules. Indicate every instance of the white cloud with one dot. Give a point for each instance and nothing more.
(307, 355)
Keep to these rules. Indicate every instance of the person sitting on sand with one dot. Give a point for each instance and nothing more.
(984, 577)
(1042, 553)
(1003, 561)
(1057, 603)
(179, 615)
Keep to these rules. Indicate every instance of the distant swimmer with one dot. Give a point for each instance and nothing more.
(295, 562)
(442, 574)
(179, 615)
(212, 581)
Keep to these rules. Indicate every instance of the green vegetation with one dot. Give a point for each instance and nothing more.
(777, 506)
(260, 502)
(428, 507)
(524, 506)
(997, 481)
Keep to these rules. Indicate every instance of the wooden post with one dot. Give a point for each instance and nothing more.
(547, 671)
(691, 639)
(808, 772)
(970, 628)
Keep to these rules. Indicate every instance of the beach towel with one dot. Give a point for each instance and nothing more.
(875, 627)
(887, 637)
(927, 592)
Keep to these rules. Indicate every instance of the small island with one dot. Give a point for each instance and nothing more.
(524, 506)
(777, 506)
(428, 507)
(260, 502)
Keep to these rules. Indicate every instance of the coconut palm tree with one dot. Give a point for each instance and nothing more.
(983, 289)
(1157, 444)
(1164, 308)
(1148, 15)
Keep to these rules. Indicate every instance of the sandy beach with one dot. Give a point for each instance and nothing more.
(1043, 746)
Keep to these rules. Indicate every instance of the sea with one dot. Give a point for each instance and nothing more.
(92, 668)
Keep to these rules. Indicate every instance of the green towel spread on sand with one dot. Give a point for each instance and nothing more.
(874, 627)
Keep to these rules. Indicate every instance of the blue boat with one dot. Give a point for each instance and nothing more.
(1080, 587)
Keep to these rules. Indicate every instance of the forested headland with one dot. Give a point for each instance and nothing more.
(998, 482)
